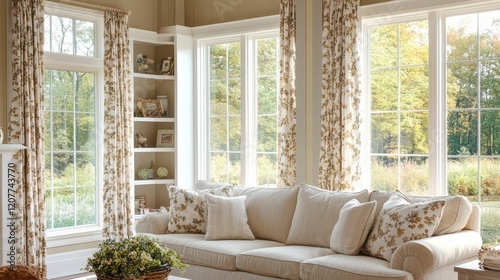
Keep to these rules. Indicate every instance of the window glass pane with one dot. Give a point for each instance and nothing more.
(461, 37)
(384, 133)
(69, 36)
(490, 133)
(415, 133)
(233, 60)
(462, 133)
(414, 41)
(63, 124)
(62, 90)
(384, 89)
(48, 205)
(462, 85)
(234, 98)
(490, 180)
(384, 46)
(415, 175)
(267, 169)
(234, 133)
(489, 34)
(218, 62)
(64, 207)
(86, 198)
(267, 53)
(266, 134)
(462, 177)
(218, 103)
(85, 92)
(490, 83)
(234, 169)
(267, 95)
(384, 173)
(218, 167)
(218, 134)
(489, 224)
(85, 132)
(85, 169)
(414, 88)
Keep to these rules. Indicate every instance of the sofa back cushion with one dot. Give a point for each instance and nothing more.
(269, 211)
(316, 214)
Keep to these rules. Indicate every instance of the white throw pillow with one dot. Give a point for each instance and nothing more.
(350, 232)
(227, 218)
(188, 210)
(401, 221)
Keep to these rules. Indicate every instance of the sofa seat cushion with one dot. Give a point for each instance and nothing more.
(350, 267)
(281, 262)
(220, 254)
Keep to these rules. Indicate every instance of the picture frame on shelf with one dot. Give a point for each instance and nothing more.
(139, 205)
(167, 66)
(165, 138)
(150, 108)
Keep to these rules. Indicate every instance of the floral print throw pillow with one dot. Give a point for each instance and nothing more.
(189, 210)
(401, 221)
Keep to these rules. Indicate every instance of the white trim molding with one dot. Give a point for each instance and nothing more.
(71, 263)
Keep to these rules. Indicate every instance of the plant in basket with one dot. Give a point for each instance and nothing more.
(138, 257)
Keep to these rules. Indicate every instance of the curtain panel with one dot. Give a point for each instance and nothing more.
(118, 128)
(26, 127)
(287, 122)
(340, 101)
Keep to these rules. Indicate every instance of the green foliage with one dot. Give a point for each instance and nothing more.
(132, 257)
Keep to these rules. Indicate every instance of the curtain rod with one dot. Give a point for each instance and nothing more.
(93, 6)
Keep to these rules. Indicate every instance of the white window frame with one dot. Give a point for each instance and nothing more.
(246, 32)
(95, 65)
(406, 11)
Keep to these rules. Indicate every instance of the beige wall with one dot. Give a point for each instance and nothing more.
(3, 67)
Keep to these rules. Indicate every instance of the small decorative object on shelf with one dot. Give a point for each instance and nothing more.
(162, 173)
(140, 205)
(141, 140)
(165, 138)
(138, 257)
(489, 257)
(164, 104)
(149, 108)
(143, 173)
(144, 63)
(151, 170)
(167, 66)
(1, 136)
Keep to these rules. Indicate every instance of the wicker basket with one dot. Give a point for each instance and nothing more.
(161, 273)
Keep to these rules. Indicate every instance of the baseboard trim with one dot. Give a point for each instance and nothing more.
(70, 263)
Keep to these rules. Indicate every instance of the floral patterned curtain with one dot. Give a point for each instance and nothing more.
(26, 124)
(340, 118)
(287, 146)
(118, 128)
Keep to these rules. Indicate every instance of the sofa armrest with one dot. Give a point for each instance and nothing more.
(421, 256)
(155, 223)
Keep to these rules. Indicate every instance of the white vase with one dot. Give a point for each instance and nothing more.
(1, 136)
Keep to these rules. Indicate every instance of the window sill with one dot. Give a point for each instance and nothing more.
(73, 236)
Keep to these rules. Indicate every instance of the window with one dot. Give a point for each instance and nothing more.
(73, 70)
(239, 94)
(433, 84)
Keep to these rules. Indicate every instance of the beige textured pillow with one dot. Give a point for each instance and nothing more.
(401, 221)
(350, 232)
(227, 218)
(316, 213)
(456, 213)
(188, 210)
(155, 223)
(270, 211)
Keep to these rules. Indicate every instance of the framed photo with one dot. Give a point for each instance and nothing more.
(139, 204)
(167, 66)
(165, 138)
(150, 107)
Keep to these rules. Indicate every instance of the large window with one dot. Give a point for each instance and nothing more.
(242, 76)
(433, 81)
(73, 68)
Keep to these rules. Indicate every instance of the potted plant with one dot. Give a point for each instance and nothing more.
(139, 257)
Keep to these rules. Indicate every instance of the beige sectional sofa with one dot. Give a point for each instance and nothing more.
(296, 228)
